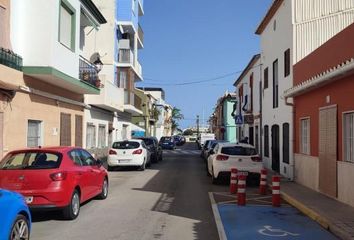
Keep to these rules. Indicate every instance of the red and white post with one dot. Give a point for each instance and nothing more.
(233, 181)
(276, 191)
(241, 190)
(263, 182)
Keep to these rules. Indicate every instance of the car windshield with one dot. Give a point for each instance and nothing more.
(125, 145)
(239, 151)
(148, 141)
(31, 160)
(166, 139)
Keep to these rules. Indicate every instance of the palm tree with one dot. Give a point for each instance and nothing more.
(176, 116)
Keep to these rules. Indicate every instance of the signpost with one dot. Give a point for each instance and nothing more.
(238, 119)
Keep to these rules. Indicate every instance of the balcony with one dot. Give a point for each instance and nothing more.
(140, 36)
(126, 58)
(88, 72)
(10, 59)
(141, 7)
(132, 103)
(110, 98)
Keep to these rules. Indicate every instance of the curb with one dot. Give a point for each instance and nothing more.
(324, 222)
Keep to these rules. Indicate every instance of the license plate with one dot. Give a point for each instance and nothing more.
(29, 200)
(242, 173)
(123, 161)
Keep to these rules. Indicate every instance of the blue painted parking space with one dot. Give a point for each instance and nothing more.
(266, 222)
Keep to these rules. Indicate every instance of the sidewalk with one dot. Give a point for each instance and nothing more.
(333, 215)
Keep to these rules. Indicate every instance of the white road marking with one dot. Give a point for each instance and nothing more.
(219, 226)
(273, 232)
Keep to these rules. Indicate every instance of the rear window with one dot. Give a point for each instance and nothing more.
(148, 141)
(240, 151)
(166, 139)
(125, 145)
(31, 160)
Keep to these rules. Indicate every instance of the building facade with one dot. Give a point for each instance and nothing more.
(324, 118)
(223, 121)
(296, 28)
(248, 89)
(45, 104)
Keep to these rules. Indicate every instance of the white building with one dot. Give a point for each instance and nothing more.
(248, 90)
(290, 31)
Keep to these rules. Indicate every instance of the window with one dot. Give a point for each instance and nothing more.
(349, 137)
(305, 136)
(31, 160)
(275, 84)
(126, 145)
(265, 78)
(86, 158)
(90, 136)
(34, 133)
(275, 25)
(286, 142)
(266, 141)
(287, 63)
(251, 94)
(67, 25)
(75, 157)
(239, 151)
(101, 136)
(123, 80)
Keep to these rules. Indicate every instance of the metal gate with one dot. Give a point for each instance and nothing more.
(328, 150)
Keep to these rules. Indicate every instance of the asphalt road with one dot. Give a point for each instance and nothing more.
(167, 201)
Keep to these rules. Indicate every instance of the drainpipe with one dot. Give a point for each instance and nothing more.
(292, 140)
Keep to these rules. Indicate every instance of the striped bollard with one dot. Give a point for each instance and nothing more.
(241, 191)
(263, 182)
(276, 191)
(233, 181)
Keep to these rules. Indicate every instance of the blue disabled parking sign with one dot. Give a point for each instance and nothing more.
(238, 119)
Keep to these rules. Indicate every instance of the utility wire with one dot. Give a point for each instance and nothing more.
(193, 81)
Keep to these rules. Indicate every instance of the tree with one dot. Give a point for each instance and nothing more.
(176, 116)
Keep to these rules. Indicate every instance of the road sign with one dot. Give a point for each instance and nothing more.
(238, 120)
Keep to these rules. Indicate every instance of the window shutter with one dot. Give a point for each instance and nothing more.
(78, 130)
(65, 129)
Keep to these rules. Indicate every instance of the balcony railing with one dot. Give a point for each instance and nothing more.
(137, 102)
(88, 72)
(10, 59)
(141, 34)
(128, 97)
(126, 56)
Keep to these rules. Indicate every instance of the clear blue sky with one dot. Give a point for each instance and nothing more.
(192, 40)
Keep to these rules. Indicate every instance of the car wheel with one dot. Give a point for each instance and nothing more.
(20, 228)
(143, 166)
(73, 209)
(104, 191)
(214, 180)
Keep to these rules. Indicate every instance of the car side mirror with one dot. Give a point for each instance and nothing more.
(99, 162)
(211, 152)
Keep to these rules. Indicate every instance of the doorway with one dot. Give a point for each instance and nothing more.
(275, 148)
(328, 150)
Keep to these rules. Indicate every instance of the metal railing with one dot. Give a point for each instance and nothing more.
(88, 72)
(141, 34)
(125, 56)
(10, 59)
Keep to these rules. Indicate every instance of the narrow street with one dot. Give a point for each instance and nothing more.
(170, 200)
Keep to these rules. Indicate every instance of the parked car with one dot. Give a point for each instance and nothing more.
(55, 177)
(204, 137)
(129, 153)
(15, 215)
(210, 144)
(167, 143)
(179, 140)
(153, 146)
(224, 156)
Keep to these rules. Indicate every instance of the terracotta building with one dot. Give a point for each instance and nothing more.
(323, 95)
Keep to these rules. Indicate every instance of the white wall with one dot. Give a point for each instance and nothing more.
(345, 182)
(34, 35)
(273, 46)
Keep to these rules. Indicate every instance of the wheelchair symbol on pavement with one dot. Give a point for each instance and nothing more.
(273, 232)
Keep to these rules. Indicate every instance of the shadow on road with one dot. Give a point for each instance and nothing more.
(184, 188)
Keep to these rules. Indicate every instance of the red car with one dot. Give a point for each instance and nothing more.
(54, 177)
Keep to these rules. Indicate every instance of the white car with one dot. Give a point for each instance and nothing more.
(225, 156)
(129, 153)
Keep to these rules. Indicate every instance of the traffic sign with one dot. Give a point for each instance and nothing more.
(238, 120)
